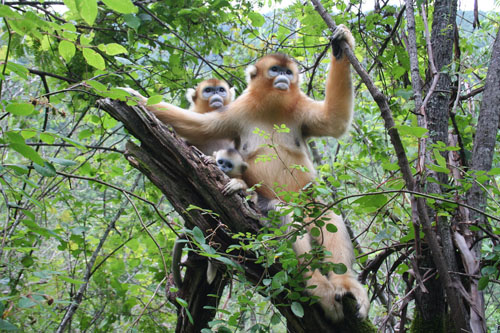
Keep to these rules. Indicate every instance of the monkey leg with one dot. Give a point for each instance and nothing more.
(340, 247)
(323, 289)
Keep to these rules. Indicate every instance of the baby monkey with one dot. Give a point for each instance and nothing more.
(232, 164)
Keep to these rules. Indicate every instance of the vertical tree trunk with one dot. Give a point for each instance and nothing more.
(431, 303)
(482, 157)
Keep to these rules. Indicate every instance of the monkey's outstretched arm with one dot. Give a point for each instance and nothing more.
(333, 116)
(195, 127)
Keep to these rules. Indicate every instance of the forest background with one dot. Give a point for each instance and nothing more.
(86, 239)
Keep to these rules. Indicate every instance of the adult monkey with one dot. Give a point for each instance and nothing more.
(209, 95)
(273, 97)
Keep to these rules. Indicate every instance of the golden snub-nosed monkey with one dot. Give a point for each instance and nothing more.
(209, 95)
(273, 97)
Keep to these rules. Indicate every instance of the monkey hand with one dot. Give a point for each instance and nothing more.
(135, 94)
(340, 34)
(208, 159)
(233, 186)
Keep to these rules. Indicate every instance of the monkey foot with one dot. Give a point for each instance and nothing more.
(329, 299)
(348, 284)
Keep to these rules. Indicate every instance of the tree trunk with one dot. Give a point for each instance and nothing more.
(179, 172)
(482, 157)
(431, 303)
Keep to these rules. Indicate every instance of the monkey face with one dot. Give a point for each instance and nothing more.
(274, 71)
(230, 162)
(215, 95)
(283, 76)
(210, 95)
(225, 164)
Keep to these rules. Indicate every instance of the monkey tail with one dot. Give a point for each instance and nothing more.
(176, 259)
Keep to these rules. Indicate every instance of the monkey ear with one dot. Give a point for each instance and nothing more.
(244, 166)
(233, 93)
(190, 95)
(250, 72)
(300, 79)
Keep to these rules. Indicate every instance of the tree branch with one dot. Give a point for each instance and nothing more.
(181, 174)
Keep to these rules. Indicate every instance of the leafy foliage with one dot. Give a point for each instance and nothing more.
(75, 214)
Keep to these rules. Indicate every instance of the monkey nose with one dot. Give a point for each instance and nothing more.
(225, 165)
(282, 83)
(216, 102)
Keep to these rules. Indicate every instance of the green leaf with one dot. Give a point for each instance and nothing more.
(62, 161)
(25, 302)
(390, 166)
(27, 261)
(438, 168)
(93, 58)
(315, 232)
(181, 302)
(47, 137)
(184, 304)
(20, 109)
(257, 19)
(275, 319)
(108, 122)
(70, 280)
(84, 134)
(73, 142)
(489, 270)
(494, 172)
(339, 268)
(18, 169)
(9, 13)
(411, 130)
(376, 200)
(198, 235)
(483, 282)
(67, 50)
(97, 85)
(114, 49)
(121, 6)
(132, 21)
(154, 99)
(331, 227)
(441, 161)
(6, 326)
(14, 137)
(28, 134)
(227, 261)
(27, 152)
(87, 10)
(18, 69)
(297, 309)
(47, 170)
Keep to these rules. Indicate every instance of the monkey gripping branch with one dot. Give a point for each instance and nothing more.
(182, 175)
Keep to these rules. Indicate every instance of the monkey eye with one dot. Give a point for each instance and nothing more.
(289, 72)
(221, 89)
(274, 69)
(208, 89)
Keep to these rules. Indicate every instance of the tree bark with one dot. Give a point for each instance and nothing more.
(180, 173)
